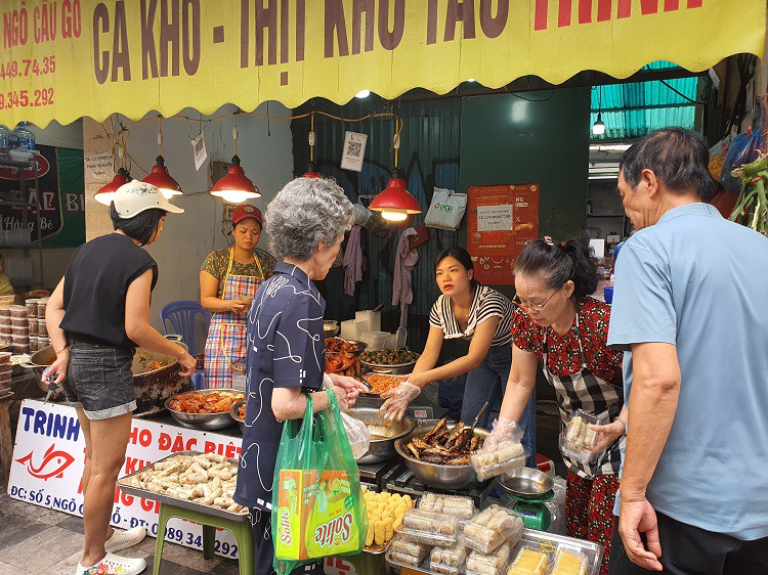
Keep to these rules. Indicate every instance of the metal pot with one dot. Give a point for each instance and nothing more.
(233, 412)
(384, 448)
(151, 387)
(204, 421)
(436, 474)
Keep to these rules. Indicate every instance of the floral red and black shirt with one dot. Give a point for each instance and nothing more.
(564, 356)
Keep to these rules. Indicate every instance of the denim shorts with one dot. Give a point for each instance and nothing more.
(99, 379)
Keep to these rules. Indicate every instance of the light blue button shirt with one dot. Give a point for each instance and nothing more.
(700, 282)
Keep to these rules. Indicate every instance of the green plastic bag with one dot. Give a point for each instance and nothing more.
(318, 508)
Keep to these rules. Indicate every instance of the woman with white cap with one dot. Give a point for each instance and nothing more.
(229, 279)
(97, 316)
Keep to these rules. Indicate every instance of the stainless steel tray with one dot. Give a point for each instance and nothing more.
(182, 503)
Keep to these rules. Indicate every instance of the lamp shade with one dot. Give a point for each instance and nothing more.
(395, 203)
(312, 171)
(106, 193)
(235, 187)
(598, 128)
(162, 180)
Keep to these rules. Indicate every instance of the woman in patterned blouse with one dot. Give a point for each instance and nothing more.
(560, 328)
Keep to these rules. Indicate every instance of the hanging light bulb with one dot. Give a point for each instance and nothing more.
(106, 193)
(162, 180)
(598, 128)
(395, 203)
(311, 171)
(363, 94)
(235, 187)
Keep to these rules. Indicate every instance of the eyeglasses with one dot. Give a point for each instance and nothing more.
(525, 306)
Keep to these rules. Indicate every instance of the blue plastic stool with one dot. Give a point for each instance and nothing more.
(181, 315)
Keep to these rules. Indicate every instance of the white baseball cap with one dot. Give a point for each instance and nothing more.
(136, 196)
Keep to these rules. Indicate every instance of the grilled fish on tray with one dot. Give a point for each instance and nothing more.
(445, 446)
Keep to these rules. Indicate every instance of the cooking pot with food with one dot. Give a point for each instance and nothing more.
(155, 378)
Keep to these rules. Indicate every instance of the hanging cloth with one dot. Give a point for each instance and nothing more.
(353, 261)
(405, 261)
(225, 350)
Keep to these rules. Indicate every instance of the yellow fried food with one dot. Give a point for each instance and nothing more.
(369, 537)
(380, 533)
(385, 515)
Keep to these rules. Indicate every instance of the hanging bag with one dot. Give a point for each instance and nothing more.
(446, 210)
(318, 508)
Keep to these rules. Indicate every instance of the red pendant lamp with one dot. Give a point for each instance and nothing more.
(162, 180)
(235, 187)
(106, 193)
(396, 203)
(159, 176)
(312, 171)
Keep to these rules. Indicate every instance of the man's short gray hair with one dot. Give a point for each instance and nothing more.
(306, 212)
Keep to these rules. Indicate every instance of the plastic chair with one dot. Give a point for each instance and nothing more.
(181, 315)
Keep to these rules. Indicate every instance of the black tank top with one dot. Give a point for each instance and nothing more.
(95, 286)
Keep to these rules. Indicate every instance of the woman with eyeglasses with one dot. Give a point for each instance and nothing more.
(229, 279)
(483, 317)
(558, 326)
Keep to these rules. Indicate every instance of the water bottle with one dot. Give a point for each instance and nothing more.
(24, 138)
(5, 141)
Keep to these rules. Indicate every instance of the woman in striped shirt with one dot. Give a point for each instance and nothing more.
(480, 315)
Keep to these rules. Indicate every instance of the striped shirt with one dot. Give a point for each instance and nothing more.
(487, 303)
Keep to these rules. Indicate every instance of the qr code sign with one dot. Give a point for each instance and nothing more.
(354, 151)
(355, 148)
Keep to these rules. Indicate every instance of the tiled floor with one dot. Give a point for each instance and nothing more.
(34, 540)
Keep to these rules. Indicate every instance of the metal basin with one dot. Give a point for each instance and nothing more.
(436, 474)
(526, 482)
(235, 416)
(151, 387)
(384, 448)
(204, 421)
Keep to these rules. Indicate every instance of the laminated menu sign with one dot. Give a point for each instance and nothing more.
(502, 220)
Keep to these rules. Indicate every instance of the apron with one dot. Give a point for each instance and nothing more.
(225, 350)
(584, 390)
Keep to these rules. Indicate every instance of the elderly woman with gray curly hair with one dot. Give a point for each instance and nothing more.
(306, 223)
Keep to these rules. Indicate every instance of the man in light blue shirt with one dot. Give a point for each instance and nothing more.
(689, 303)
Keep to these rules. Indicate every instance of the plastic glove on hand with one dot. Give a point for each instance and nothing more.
(503, 430)
(398, 399)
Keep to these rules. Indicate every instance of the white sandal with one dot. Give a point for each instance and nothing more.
(114, 565)
(125, 539)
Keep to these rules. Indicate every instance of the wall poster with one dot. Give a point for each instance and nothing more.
(502, 220)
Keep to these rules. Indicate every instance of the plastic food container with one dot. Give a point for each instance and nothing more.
(18, 311)
(6, 330)
(31, 305)
(42, 329)
(447, 561)
(578, 440)
(509, 455)
(492, 528)
(5, 375)
(529, 561)
(495, 564)
(33, 327)
(404, 553)
(5, 311)
(461, 507)
(434, 529)
(34, 344)
(569, 561)
(19, 349)
(5, 359)
(20, 330)
(41, 305)
(19, 322)
(43, 342)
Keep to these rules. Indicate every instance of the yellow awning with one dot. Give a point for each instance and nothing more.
(71, 58)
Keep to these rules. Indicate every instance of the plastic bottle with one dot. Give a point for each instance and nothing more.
(24, 138)
(5, 141)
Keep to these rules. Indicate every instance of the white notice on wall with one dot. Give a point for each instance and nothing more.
(494, 218)
(198, 148)
(354, 151)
